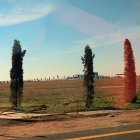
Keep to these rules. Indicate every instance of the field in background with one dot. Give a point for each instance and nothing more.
(56, 94)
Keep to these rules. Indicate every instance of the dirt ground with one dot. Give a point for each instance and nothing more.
(70, 123)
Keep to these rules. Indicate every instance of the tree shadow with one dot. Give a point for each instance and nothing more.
(137, 102)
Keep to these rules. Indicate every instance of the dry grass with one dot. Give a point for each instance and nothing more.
(55, 93)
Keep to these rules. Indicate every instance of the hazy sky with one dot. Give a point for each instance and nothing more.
(55, 32)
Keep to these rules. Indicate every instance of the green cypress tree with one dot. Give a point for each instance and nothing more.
(87, 61)
(16, 74)
(129, 73)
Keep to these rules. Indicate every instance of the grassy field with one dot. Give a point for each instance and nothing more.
(56, 93)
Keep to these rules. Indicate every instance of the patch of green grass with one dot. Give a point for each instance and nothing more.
(103, 102)
(54, 94)
(135, 105)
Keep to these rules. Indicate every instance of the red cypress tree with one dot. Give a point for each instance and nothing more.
(129, 74)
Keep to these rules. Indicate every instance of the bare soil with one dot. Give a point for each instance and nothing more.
(71, 122)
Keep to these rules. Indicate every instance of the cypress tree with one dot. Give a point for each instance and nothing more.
(16, 74)
(87, 61)
(129, 74)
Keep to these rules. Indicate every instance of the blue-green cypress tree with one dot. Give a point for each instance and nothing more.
(87, 61)
(16, 74)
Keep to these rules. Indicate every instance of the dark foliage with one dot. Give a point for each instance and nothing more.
(16, 74)
(87, 61)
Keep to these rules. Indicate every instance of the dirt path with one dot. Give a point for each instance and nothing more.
(85, 121)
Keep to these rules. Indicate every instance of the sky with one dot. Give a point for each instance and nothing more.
(55, 33)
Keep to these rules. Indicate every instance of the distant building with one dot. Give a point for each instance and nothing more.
(119, 75)
(96, 76)
(74, 77)
(81, 76)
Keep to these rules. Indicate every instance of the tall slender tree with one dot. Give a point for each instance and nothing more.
(87, 61)
(16, 74)
(129, 73)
